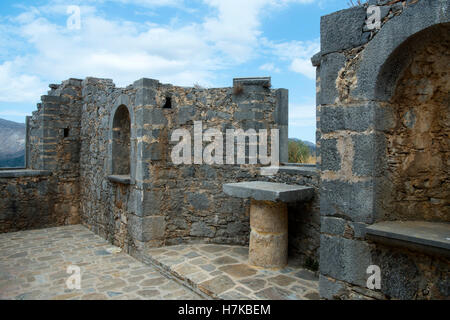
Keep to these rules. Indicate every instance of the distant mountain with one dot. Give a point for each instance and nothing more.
(12, 144)
(312, 146)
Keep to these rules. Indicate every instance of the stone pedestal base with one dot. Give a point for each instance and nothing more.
(269, 234)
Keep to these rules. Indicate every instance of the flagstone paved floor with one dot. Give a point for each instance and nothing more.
(33, 265)
(222, 272)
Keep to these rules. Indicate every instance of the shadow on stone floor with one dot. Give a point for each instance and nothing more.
(222, 272)
(33, 266)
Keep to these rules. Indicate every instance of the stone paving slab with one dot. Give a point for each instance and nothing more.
(222, 272)
(33, 266)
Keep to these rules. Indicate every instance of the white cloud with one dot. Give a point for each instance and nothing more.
(304, 67)
(102, 48)
(235, 29)
(126, 51)
(297, 53)
(18, 87)
(152, 3)
(270, 67)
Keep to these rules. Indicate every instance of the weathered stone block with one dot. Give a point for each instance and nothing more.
(331, 289)
(364, 155)
(342, 30)
(70, 92)
(186, 114)
(332, 226)
(282, 107)
(156, 116)
(208, 172)
(145, 97)
(211, 114)
(52, 99)
(345, 259)
(264, 82)
(147, 203)
(146, 228)
(284, 143)
(400, 276)
(123, 99)
(247, 106)
(146, 83)
(331, 159)
(201, 229)
(150, 151)
(199, 201)
(353, 200)
(247, 115)
(329, 71)
(359, 118)
(142, 170)
(369, 152)
(331, 119)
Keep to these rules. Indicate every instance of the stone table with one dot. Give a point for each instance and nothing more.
(269, 218)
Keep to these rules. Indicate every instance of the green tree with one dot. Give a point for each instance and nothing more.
(298, 152)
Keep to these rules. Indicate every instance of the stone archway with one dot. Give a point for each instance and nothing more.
(415, 184)
(121, 142)
(383, 138)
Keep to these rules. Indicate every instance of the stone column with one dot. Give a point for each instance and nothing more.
(269, 218)
(269, 234)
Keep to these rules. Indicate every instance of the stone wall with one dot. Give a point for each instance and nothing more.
(26, 202)
(55, 143)
(71, 137)
(47, 192)
(161, 203)
(382, 154)
(104, 205)
(304, 217)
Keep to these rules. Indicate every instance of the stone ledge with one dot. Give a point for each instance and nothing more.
(23, 173)
(258, 81)
(430, 237)
(299, 169)
(293, 164)
(122, 179)
(269, 191)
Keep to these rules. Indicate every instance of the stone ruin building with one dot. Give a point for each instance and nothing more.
(99, 156)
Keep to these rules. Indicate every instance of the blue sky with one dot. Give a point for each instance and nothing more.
(205, 42)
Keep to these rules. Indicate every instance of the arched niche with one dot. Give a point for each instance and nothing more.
(413, 88)
(121, 142)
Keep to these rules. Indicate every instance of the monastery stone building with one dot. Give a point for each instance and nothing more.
(100, 156)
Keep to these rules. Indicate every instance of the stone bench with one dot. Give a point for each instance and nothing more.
(427, 237)
(269, 218)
